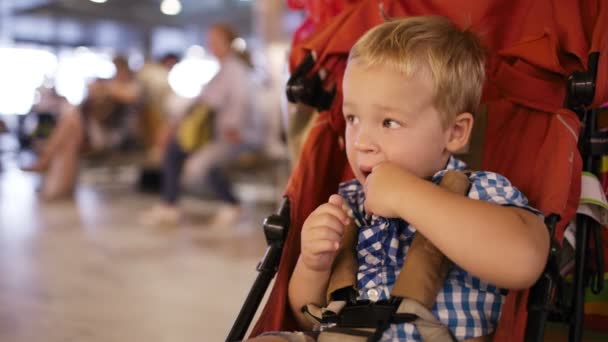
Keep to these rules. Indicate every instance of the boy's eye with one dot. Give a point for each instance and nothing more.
(351, 119)
(390, 123)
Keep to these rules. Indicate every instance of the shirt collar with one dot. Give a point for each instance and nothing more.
(453, 164)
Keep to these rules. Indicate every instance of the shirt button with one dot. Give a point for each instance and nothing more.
(373, 295)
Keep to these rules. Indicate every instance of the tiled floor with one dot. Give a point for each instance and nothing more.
(87, 271)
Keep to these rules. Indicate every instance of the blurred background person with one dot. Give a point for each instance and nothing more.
(110, 108)
(93, 244)
(154, 122)
(236, 131)
(101, 122)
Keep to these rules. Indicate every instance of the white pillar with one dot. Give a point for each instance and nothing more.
(274, 40)
(268, 20)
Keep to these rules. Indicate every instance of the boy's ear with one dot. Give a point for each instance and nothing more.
(459, 132)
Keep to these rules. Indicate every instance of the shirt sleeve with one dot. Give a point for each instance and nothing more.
(238, 106)
(213, 93)
(495, 188)
(229, 95)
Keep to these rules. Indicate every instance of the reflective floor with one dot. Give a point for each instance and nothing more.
(87, 271)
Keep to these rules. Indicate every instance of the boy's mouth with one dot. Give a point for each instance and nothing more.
(365, 171)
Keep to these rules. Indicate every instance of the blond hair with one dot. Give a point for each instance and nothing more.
(454, 58)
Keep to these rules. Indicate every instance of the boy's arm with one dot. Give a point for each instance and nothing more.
(306, 286)
(505, 246)
(321, 236)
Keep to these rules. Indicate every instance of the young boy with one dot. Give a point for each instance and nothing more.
(410, 89)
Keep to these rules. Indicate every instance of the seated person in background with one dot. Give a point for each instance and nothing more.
(109, 109)
(410, 89)
(153, 78)
(100, 118)
(235, 132)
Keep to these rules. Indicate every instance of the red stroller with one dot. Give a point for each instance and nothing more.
(542, 66)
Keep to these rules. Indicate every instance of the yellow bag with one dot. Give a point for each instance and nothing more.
(196, 128)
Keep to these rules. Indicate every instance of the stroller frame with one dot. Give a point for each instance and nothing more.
(546, 302)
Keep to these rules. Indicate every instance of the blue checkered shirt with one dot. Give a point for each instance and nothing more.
(468, 306)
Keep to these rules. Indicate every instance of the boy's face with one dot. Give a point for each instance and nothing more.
(391, 118)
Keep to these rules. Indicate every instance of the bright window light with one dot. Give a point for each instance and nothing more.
(22, 71)
(99, 1)
(188, 77)
(195, 51)
(76, 69)
(171, 7)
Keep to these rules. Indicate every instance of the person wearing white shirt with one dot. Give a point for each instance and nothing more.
(229, 95)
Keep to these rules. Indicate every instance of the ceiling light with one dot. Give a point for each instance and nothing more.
(171, 7)
(99, 1)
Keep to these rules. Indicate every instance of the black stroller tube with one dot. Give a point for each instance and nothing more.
(580, 94)
(275, 229)
(597, 280)
(249, 308)
(583, 224)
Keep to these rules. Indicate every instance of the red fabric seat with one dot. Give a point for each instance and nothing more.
(530, 138)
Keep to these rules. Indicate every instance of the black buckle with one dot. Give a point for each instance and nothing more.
(368, 314)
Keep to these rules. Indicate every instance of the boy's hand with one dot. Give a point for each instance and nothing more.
(383, 189)
(322, 233)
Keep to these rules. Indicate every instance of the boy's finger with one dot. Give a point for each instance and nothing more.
(322, 233)
(323, 246)
(336, 200)
(336, 211)
(329, 221)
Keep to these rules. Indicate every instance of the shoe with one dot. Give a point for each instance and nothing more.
(161, 215)
(226, 216)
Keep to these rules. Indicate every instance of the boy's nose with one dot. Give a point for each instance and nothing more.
(365, 143)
